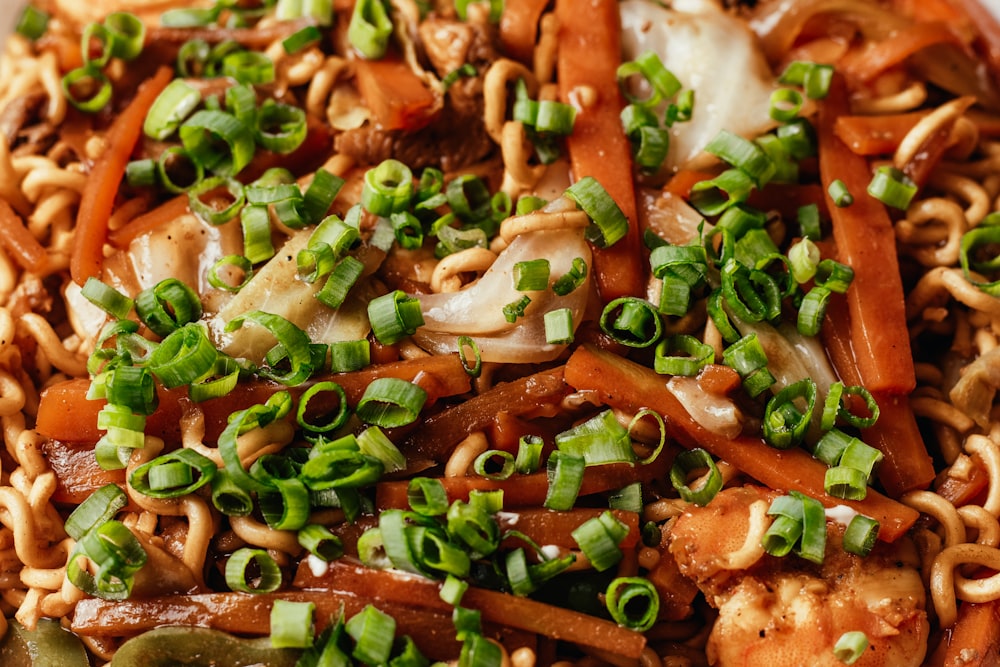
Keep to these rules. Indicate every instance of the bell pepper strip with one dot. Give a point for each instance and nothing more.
(865, 64)
(20, 243)
(588, 59)
(625, 385)
(396, 96)
(97, 201)
(907, 465)
(865, 242)
(519, 28)
(530, 490)
(65, 413)
(344, 576)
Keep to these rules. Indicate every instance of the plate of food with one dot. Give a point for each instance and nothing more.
(488, 333)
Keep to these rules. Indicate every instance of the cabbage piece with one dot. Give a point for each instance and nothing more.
(477, 310)
(732, 83)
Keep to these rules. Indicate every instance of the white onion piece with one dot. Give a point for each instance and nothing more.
(277, 289)
(791, 356)
(717, 414)
(732, 83)
(477, 310)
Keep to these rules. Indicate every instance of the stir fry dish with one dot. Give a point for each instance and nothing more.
(500, 333)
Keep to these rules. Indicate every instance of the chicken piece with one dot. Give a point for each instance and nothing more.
(788, 611)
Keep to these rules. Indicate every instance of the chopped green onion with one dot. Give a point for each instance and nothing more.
(375, 443)
(291, 623)
(141, 173)
(516, 309)
(340, 281)
(280, 128)
(834, 276)
(839, 193)
(127, 33)
(391, 402)
(190, 18)
(319, 195)
(388, 188)
(452, 77)
(633, 602)
(785, 104)
(340, 416)
(476, 367)
(210, 212)
(394, 316)
(572, 279)
(173, 475)
(230, 263)
(529, 454)
(713, 196)
(185, 355)
(803, 258)
(599, 538)
(168, 305)
(850, 646)
(373, 632)
(301, 39)
(370, 29)
(610, 224)
(99, 507)
(559, 326)
(107, 298)
(219, 141)
(697, 355)
(785, 424)
(293, 340)
(87, 88)
(892, 187)
(743, 154)
(565, 475)
(349, 355)
(845, 482)
(809, 223)
(599, 440)
(798, 137)
(860, 535)
(692, 460)
(252, 571)
(33, 23)
(255, 221)
(662, 83)
(117, 554)
(427, 496)
(192, 58)
(531, 275)
(320, 542)
(177, 170)
(472, 525)
(631, 321)
(812, 311)
(489, 459)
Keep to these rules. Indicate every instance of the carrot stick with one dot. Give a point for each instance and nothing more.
(19, 242)
(547, 527)
(147, 222)
(866, 242)
(98, 200)
(866, 64)
(974, 640)
(628, 386)
(876, 135)
(395, 95)
(501, 608)
(589, 55)
(65, 413)
(530, 490)
(907, 465)
(519, 28)
(442, 431)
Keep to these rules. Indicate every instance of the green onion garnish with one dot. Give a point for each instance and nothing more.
(850, 646)
(689, 461)
(33, 23)
(610, 224)
(291, 623)
(370, 28)
(892, 187)
(633, 602)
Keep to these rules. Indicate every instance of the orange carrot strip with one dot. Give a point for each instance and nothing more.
(519, 27)
(77, 472)
(866, 64)
(238, 613)
(680, 184)
(974, 640)
(589, 55)
(65, 413)
(628, 386)
(876, 135)
(98, 200)
(866, 242)
(530, 490)
(964, 491)
(503, 609)
(395, 95)
(928, 10)
(547, 527)
(147, 222)
(907, 465)
(19, 242)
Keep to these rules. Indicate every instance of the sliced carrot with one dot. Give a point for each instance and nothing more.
(876, 135)
(530, 490)
(928, 10)
(396, 96)
(19, 242)
(589, 55)
(98, 200)
(547, 527)
(974, 640)
(519, 27)
(628, 386)
(866, 242)
(166, 212)
(65, 413)
(680, 184)
(867, 63)
(345, 576)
